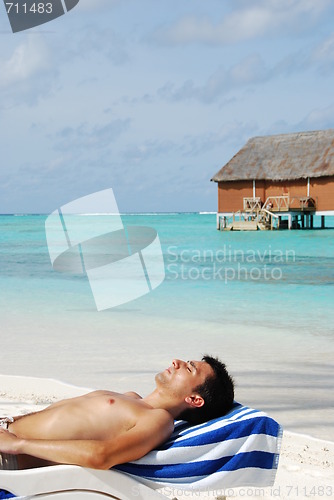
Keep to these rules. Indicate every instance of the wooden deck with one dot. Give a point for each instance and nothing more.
(242, 225)
(260, 219)
(257, 216)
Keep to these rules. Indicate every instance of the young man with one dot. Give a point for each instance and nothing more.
(102, 429)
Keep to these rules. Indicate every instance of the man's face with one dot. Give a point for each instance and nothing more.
(182, 377)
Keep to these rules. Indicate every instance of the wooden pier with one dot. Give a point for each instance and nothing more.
(268, 216)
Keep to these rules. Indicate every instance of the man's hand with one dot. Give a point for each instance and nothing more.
(8, 442)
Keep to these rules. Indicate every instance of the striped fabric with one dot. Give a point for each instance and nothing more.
(239, 449)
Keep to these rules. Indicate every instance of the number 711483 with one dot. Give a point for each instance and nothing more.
(24, 8)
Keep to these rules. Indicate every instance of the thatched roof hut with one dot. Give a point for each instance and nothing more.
(296, 166)
(282, 157)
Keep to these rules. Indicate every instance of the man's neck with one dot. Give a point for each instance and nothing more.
(159, 400)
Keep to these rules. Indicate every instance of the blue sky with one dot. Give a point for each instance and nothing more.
(152, 97)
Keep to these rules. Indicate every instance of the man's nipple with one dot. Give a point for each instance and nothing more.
(111, 401)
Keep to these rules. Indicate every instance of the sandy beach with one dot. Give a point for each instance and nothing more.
(306, 465)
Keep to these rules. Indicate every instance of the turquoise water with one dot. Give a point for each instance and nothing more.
(262, 301)
(279, 278)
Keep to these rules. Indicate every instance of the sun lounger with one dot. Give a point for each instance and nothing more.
(239, 449)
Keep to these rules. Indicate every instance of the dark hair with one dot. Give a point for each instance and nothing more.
(217, 392)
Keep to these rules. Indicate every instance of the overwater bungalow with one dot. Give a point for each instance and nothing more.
(279, 181)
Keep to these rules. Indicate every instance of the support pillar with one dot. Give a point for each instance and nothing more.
(295, 224)
(323, 222)
(289, 221)
(311, 221)
(303, 220)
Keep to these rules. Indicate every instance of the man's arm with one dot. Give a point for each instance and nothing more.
(133, 444)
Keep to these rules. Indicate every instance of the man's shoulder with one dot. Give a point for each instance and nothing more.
(156, 425)
(159, 418)
(132, 394)
(161, 413)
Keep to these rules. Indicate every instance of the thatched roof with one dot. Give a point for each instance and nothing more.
(282, 157)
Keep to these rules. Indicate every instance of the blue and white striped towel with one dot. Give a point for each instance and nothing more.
(239, 449)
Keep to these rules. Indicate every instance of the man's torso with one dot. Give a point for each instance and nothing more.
(99, 415)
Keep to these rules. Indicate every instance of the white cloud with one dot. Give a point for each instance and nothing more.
(320, 118)
(85, 137)
(188, 146)
(319, 58)
(264, 17)
(27, 73)
(251, 70)
(105, 41)
(323, 55)
(28, 60)
(142, 152)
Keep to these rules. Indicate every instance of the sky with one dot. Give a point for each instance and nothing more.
(152, 97)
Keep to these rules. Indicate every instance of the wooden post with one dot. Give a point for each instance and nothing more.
(303, 220)
(311, 221)
(323, 222)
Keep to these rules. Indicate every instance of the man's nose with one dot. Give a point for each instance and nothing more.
(176, 363)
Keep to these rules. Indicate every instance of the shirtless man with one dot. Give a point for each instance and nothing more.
(102, 429)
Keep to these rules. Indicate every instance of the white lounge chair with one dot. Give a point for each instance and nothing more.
(239, 449)
(70, 482)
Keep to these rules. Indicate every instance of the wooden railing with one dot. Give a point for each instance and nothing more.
(284, 203)
(251, 204)
(277, 203)
(267, 218)
(307, 203)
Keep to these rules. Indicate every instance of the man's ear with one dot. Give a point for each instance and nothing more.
(195, 401)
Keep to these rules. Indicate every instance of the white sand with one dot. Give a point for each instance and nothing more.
(306, 467)
(289, 374)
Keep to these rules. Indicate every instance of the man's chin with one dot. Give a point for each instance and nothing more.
(160, 377)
